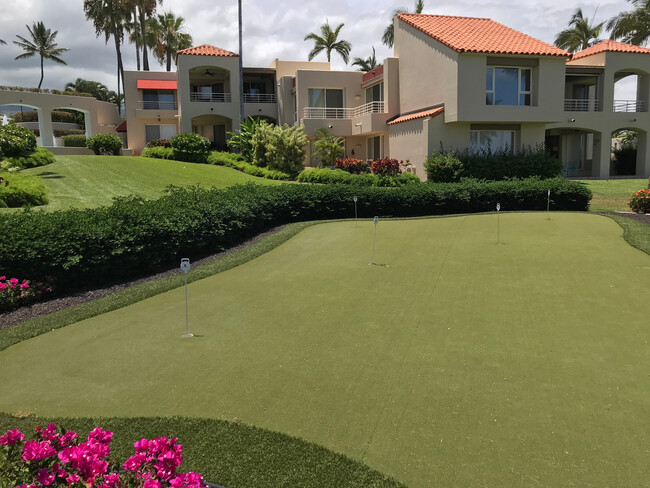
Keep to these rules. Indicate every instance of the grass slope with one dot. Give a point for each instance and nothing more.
(91, 181)
(613, 195)
(464, 360)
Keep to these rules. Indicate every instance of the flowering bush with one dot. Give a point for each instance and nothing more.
(57, 457)
(443, 168)
(15, 293)
(16, 140)
(386, 167)
(640, 201)
(352, 165)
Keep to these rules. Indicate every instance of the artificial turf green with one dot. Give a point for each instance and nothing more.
(613, 195)
(91, 181)
(462, 362)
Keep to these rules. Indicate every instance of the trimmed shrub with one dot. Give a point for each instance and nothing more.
(105, 144)
(19, 190)
(352, 165)
(443, 168)
(640, 201)
(16, 140)
(385, 167)
(279, 147)
(159, 143)
(234, 161)
(74, 140)
(338, 176)
(223, 158)
(40, 157)
(57, 116)
(158, 152)
(190, 147)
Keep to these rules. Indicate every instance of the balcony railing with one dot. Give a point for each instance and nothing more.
(629, 106)
(342, 113)
(156, 105)
(210, 97)
(581, 105)
(259, 98)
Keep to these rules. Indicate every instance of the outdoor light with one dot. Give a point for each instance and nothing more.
(572, 120)
(330, 126)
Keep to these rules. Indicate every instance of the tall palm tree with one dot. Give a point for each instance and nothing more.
(241, 62)
(132, 27)
(580, 35)
(94, 88)
(389, 33)
(43, 44)
(146, 8)
(328, 42)
(2, 42)
(165, 37)
(632, 26)
(367, 64)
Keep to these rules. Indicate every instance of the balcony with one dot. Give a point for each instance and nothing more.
(630, 106)
(581, 105)
(157, 105)
(342, 113)
(210, 97)
(259, 98)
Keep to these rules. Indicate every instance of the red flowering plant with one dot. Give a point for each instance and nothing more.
(386, 167)
(352, 165)
(15, 293)
(58, 458)
(640, 201)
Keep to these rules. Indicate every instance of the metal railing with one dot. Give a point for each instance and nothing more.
(157, 105)
(210, 97)
(259, 98)
(342, 113)
(581, 105)
(629, 106)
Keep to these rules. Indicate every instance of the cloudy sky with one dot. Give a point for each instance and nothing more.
(271, 29)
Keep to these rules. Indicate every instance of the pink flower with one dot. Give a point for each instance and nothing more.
(3, 278)
(24, 285)
(111, 481)
(151, 484)
(103, 436)
(134, 462)
(44, 477)
(13, 281)
(3, 286)
(11, 437)
(35, 451)
(141, 446)
(72, 478)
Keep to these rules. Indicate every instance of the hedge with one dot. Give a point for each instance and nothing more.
(135, 236)
(18, 190)
(339, 176)
(40, 157)
(74, 140)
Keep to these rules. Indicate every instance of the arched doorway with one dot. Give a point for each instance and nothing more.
(215, 128)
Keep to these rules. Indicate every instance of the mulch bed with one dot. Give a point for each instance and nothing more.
(35, 310)
(645, 218)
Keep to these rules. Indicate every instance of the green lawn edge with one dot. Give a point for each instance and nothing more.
(635, 233)
(230, 454)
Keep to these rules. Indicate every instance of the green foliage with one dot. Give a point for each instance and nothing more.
(16, 140)
(40, 157)
(190, 147)
(327, 148)
(338, 176)
(19, 190)
(57, 116)
(74, 140)
(158, 152)
(352, 165)
(386, 167)
(242, 139)
(234, 161)
(443, 168)
(625, 160)
(280, 147)
(44, 90)
(135, 236)
(159, 143)
(640, 201)
(105, 144)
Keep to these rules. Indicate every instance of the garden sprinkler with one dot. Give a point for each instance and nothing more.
(355, 210)
(372, 261)
(548, 205)
(498, 211)
(185, 266)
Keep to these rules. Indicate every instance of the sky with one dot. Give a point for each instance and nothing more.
(271, 29)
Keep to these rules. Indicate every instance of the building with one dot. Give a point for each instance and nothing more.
(455, 82)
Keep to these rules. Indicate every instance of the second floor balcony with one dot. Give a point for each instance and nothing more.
(259, 98)
(342, 113)
(581, 105)
(210, 97)
(630, 106)
(157, 105)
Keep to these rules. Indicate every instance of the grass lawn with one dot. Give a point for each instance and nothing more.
(613, 195)
(461, 363)
(91, 181)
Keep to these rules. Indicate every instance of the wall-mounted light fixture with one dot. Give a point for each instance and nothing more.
(358, 125)
(330, 126)
(572, 120)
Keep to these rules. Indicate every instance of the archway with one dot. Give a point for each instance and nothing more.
(70, 121)
(630, 90)
(215, 128)
(29, 116)
(628, 156)
(578, 149)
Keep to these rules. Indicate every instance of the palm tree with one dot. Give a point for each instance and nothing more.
(146, 8)
(165, 37)
(241, 63)
(328, 42)
(132, 27)
(633, 26)
(2, 42)
(580, 34)
(94, 88)
(367, 64)
(389, 33)
(42, 43)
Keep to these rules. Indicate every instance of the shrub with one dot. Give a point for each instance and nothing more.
(74, 140)
(385, 167)
(327, 148)
(16, 140)
(18, 190)
(234, 161)
(625, 160)
(190, 147)
(158, 152)
(105, 144)
(56, 115)
(242, 139)
(352, 165)
(280, 147)
(40, 157)
(15, 293)
(338, 176)
(159, 143)
(443, 168)
(640, 201)
(222, 158)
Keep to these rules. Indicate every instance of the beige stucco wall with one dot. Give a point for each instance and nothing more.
(289, 68)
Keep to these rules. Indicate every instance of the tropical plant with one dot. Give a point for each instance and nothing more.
(242, 139)
(165, 37)
(328, 42)
(94, 88)
(327, 148)
(132, 27)
(580, 35)
(42, 43)
(280, 148)
(367, 64)
(632, 26)
(2, 42)
(389, 33)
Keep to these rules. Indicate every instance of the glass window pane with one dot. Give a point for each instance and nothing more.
(167, 131)
(524, 99)
(368, 95)
(316, 97)
(489, 79)
(525, 80)
(152, 132)
(473, 141)
(506, 86)
(377, 147)
(334, 98)
(489, 98)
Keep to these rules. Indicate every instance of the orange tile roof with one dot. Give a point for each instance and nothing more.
(418, 115)
(476, 35)
(207, 50)
(373, 73)
(611, 46)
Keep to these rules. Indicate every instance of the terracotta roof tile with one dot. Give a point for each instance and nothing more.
(418, 115)
(476, 35)
(611, 46)
(207, 50)
(373, 73)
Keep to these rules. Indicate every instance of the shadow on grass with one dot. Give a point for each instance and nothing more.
(50, 175)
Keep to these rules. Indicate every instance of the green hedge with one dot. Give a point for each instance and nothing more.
(338, 176)
(235, 161)
(74, 140)
(19, 190)
(105, 144)
(40, 157)
(134, 236)
(158, 152)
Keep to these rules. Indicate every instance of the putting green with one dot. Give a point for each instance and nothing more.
(461, 363)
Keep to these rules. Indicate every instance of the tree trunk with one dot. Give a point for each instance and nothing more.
(143, 33)
(41, 82)
(120, 68)
(169, 60)
(241, 67)
(137, 39)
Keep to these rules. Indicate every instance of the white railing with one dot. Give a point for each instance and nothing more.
(156, 105)
(342, 113)
(259, 98)
(581, 105)
(629, 106)
(210, 97)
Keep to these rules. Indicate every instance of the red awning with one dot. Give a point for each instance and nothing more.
(157, 85)
(121, 127)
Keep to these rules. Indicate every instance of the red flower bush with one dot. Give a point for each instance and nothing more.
(352, 165)
(386, 167)
(640, 201)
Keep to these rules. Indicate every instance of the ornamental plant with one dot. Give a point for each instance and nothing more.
(640, 201)
(104, 144)
(56, 457)
(352, 165)
(386, 167)
(443, 168)
(190, 147)
(16, 293)
(16, 140)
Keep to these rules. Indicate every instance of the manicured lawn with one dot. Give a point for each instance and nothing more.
(613, 195)
(91, 181)
(462, 362)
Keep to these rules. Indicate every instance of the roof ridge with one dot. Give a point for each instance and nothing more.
(448, 16)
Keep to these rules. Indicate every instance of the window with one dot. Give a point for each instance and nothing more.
(493, 140)
(155, 132)
(158, 99)
(508, 86)
(326, 97)
(375, 147)
(375, 93)
(254, 87)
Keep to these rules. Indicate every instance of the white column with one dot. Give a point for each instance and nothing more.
(45, 127)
